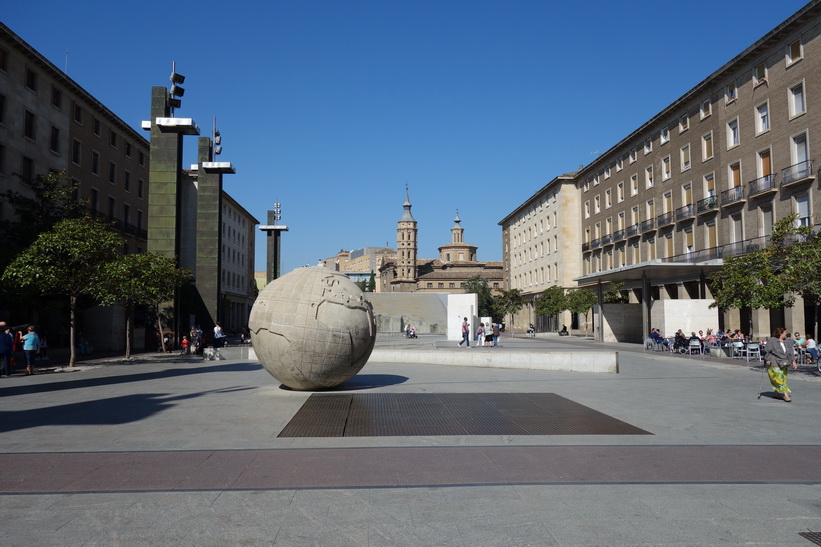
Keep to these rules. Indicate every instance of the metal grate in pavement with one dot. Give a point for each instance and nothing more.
(431, 414)
(815, 537)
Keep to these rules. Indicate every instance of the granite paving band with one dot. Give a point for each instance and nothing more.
(427, 414)
(271, 469)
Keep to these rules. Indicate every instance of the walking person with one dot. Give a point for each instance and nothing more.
(219, 336)
(496, 333)
(480, 335)
(779, 354)
(31, 344)
(465, 333)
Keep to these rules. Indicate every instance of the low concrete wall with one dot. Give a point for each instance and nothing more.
(576, 361)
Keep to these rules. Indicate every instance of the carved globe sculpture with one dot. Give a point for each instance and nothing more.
(312, 328)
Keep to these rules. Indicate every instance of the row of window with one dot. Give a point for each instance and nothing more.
(540, 250)
(764, 167)
(801, 205)
(539, 276)
(134, 228)
(527, 234)
(232, 280)
(796, 106)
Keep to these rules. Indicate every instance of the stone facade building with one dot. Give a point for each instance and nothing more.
(457, 262)
(704, 179)
(540, 245)
(48, 122)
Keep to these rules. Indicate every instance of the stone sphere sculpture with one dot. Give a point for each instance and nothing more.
(312, 328)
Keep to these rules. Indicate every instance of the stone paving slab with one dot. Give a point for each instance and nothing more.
(186, 452)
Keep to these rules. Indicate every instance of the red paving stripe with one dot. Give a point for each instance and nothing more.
(40, 473)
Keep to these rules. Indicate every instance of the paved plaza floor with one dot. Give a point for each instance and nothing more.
(176, 450)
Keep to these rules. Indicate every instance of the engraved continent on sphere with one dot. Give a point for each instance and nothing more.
(312, 328)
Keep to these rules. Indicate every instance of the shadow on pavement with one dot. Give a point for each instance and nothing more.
(9, 389)
(111, 411)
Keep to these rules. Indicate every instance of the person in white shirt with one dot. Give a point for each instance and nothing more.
(219, 336)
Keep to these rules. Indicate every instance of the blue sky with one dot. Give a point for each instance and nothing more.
(333, 106)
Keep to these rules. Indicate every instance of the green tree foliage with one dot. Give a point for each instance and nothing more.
(67, 260)
(478, 285)
(136, 279)
(581, 301)
(372, 282)
(509, 302)
(770, 277)
(551, 302)
(46, 200)
(614, 294)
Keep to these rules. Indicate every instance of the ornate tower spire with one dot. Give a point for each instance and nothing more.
(457, 233)
(406, 248)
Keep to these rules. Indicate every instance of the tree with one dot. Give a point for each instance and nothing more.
(47, 200)
(770, 277)
(614, 294)
(551, 302)
(581, 301)
(67, 260)
(509, 302)
(372, 282)
(147, 278)
(478, 285)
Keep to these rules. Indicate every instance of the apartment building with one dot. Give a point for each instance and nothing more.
(48, 122)
(237, 264)
(707, 178)
(540, 246)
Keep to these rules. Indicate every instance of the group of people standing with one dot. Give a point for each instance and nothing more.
(10, 342)
(486, 334)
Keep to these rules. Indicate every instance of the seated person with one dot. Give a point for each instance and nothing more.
(658, 338)
(694, 336)
(564, 332)
(812, 349)
(531, 330)
(680, 341)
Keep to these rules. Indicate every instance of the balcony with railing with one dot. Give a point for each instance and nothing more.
(585, 246)
(618, 235)
(595, 244)
(648, 225)
(707, 205)
(633, 230)
(763, 186)
(685, 213)
(733, 196)
(607, 239)
(664, 219)
(797, 174)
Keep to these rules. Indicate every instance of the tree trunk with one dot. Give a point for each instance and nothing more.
(72, 330)
(129, 316)
(162, 334)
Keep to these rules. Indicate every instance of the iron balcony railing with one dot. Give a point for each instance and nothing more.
(633, 230)
(648, 225)
(595, 244)
(706, 205)
(732, 196)
(765, 184)
(722, 251)
(796, 173)
(618, 235)
(585, 246)
(664, 219)
(683, 213)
